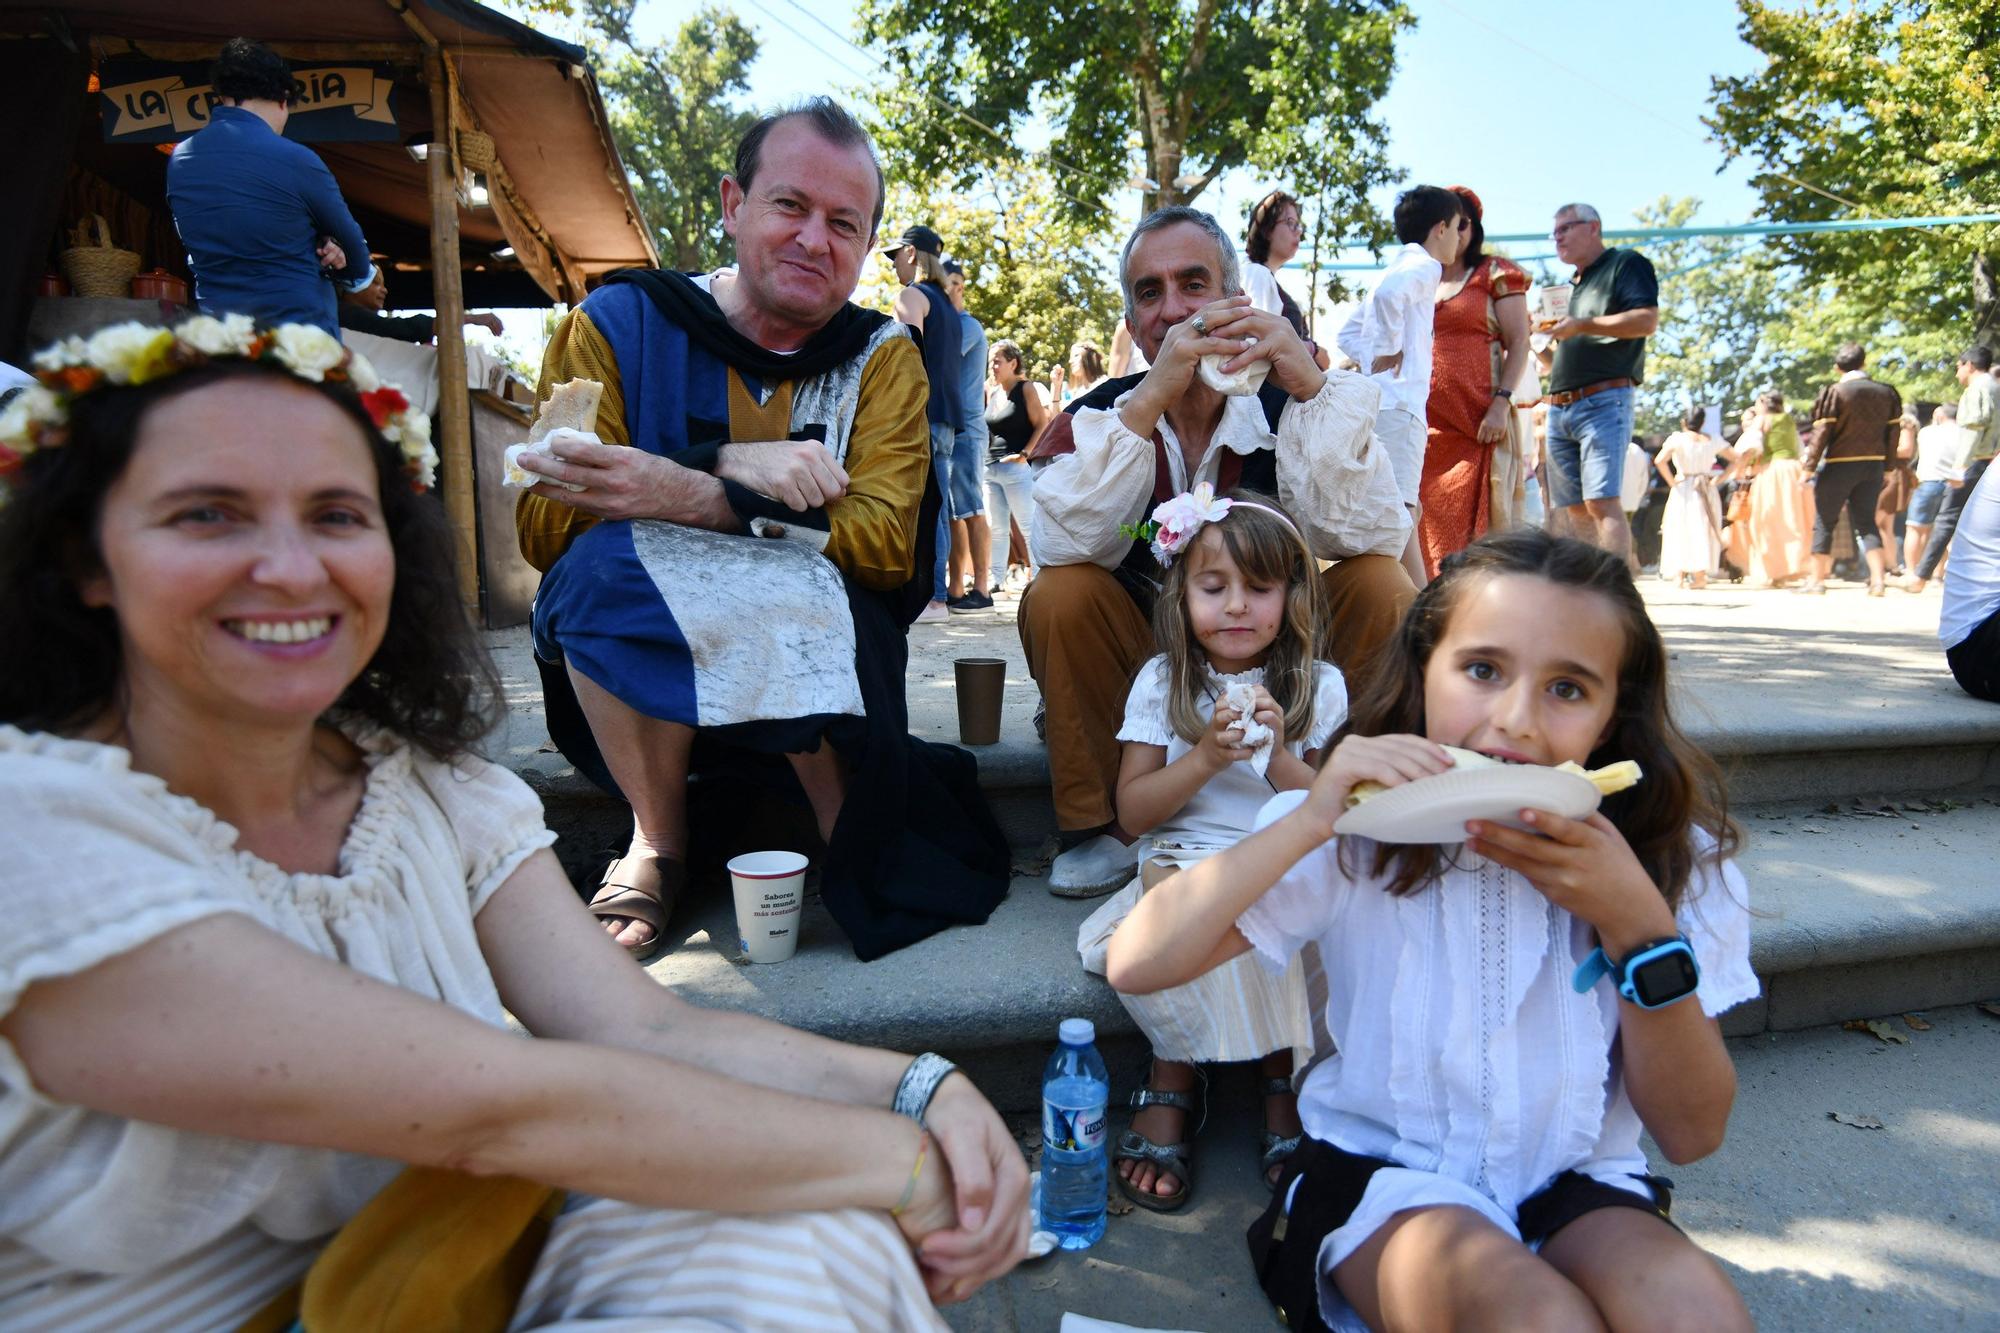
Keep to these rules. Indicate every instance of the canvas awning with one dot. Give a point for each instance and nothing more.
(558, 196)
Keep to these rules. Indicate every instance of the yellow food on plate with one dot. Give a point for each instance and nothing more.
(1611, 778)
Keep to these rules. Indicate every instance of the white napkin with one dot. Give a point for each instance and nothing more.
(518, 476)
(1245, 381)
(1243, 698)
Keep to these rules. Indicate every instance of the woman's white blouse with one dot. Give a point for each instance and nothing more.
(1464, 1050)
(1225, 809)
(101, 860)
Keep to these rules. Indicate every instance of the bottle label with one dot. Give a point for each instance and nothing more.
(1073, 1128)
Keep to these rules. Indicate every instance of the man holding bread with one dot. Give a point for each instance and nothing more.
(750, 540)
(1233, 398)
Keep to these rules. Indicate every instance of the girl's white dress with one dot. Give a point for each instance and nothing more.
(108, 1222)
(1464, 1054)
(1237, 1011)
(1691, 529)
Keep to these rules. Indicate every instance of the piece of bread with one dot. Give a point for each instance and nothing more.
(572, 406)
(1611, 778)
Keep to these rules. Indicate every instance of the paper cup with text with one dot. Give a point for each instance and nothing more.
(770, 889)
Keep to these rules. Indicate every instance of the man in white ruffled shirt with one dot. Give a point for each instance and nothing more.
(1136, 441)
(1389, 336)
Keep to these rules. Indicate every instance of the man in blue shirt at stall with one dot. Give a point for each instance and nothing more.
(266, 231)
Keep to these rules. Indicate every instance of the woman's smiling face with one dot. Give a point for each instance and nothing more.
(244, 553)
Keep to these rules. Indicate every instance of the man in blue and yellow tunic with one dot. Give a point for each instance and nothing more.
(749, 543)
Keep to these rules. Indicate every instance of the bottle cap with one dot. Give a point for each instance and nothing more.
(1078, 1032)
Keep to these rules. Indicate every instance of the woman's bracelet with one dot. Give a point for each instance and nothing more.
(920, 1084)
(910, 1189)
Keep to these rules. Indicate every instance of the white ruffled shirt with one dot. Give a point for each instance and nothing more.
(106, 1215)
(1224, 811)
(1464, 1054)
(1331, 477)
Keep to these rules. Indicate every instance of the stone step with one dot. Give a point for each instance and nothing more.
(1867, 909)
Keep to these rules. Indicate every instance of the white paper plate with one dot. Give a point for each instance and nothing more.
(1435, 809)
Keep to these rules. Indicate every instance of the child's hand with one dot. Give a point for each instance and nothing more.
(1389, 760)
(1222, 744)
(1266, 710)
(1584, 867)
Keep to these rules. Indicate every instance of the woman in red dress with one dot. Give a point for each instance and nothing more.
(1479, 352)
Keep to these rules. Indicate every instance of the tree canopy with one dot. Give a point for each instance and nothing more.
(1285, 86)
(1875, 108)
(1035, 273)
(675, 122)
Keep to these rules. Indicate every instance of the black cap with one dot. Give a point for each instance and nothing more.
(923, 238)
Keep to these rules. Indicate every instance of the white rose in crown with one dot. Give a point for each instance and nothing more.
(309, 351)
(124, 351)
(228, 336)
(71, 351)
(361, 374)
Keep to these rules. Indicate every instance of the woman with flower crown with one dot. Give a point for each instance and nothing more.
(267, 916)
(1234, 708)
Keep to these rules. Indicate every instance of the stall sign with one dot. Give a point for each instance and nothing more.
(160, 101)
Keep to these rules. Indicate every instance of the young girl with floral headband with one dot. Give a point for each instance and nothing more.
(1233, 709)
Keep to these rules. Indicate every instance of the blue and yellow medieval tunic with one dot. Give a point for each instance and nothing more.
(768, 645)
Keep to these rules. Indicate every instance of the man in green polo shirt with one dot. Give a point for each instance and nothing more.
(1597, 358)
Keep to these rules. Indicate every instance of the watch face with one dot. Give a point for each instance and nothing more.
(1664, 979)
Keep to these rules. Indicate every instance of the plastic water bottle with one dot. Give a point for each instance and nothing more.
(1075, 1096)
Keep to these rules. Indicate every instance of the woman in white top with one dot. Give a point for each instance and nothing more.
(1473, 1157)
(267, 913)
(1276, 232)
(1691, 531)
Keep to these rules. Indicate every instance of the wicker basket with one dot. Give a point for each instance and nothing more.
(95, 266)
(475, 150)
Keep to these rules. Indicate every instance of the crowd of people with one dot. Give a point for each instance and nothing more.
(270, 911)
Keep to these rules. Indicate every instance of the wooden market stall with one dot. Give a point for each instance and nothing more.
(474, 152)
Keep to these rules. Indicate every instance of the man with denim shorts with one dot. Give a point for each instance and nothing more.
(971, 538)
(1599, 358)
(918, 257)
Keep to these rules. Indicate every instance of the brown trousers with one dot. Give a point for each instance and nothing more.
(1085, 639)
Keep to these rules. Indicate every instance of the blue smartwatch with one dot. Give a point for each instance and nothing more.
(1653, 976)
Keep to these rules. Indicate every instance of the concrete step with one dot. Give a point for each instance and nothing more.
(1861, 910)
(1800, 698)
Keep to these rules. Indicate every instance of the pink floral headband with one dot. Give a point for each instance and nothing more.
(1176, 521)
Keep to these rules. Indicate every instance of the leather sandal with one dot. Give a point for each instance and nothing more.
(642, 887)
(1170, 1158)
(1276, 1149)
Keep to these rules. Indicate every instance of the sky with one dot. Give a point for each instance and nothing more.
(1532, 103)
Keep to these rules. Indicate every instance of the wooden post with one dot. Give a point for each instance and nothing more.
(454, 403)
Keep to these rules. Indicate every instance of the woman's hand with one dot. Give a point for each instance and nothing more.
(986, 1232)
(1493, 426)
(1389, 760)
(1585, 867)
(1222, 744)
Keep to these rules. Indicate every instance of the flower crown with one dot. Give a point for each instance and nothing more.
(133, 354)
(1175, 522)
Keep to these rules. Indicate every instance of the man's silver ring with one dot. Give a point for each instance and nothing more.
(1200, 325)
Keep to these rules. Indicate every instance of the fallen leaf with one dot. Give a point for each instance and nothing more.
(1830, 808)
(1858, 1121)
(1118, 1205)
(1917, 1022)
(1811, 828)
(1876, 1028)
(1992, 1007)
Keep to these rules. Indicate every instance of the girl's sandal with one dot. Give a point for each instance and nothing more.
(1170, 1158)
(1276, 1148)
